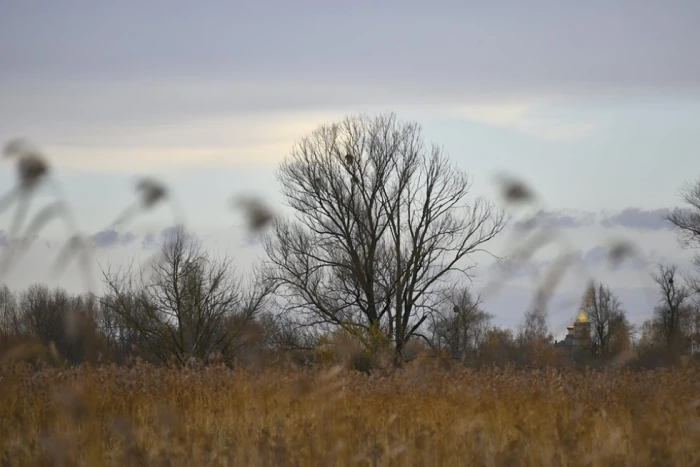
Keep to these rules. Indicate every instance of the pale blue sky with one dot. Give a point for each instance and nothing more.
(597, 105)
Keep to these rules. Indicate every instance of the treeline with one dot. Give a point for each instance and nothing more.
(371, 267)
(188, 308)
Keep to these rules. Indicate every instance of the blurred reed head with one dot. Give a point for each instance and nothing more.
(256, 212)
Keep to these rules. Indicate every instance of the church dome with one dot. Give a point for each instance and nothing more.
(582, 317)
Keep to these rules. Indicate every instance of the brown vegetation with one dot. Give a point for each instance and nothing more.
(148, 415)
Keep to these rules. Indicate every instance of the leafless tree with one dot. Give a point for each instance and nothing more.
(281, 333)
(533, 340)
(535, 327)
(10, 323)
(42, 313)
(460, 325)
(686, 222)
(622, 334)
(649, 335)
(608, 319)
(381, 222)
(64, 320)
(691, 328)
(500, 348)
(673, 307)
(186, 305)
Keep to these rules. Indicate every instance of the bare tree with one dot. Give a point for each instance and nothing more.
(185, 305)
(460, 325)
(622, 334)
(380, 222)
(63, 320)
(43, 312)
(9, 313)
(691, 329)
(535, 327)
(500, 348)
(672, 309)
(608, 320)
(282, 333)
(649, 335)
(686, 222)
(533, 339)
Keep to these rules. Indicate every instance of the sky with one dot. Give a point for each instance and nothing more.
(594, 104)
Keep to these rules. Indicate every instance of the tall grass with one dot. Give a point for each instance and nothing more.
(419, 415)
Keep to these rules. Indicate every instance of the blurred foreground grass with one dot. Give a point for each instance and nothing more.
(419, 415)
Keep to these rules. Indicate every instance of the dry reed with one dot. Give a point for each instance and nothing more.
(420, 415)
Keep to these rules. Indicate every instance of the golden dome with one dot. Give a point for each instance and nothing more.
(582, 317)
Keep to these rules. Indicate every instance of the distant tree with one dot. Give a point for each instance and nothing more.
(649, 337)
(9, 313)
(673, 307)
(622, 334)
(186, 305)
(65, 321)
(534, 340)
(499, 348)
(687, 224)
(459, 326)
(691, 328)
(381, 222)
(535, 327)
(42, 313)
(687, 221)
(609, 324)
(282, 333)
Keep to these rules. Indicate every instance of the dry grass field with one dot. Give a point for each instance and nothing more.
(420, 415)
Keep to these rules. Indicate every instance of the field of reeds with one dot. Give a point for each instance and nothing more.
(418, 415)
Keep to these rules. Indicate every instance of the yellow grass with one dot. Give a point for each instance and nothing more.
(417, 416)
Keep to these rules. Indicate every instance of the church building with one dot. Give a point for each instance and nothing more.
(578, 339)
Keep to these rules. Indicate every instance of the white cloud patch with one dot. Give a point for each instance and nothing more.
(527, 118)
(552, 129)
(259, 140)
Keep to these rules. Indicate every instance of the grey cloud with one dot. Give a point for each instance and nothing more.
(168, 232)
(153, 242)
(110, 238)
(554, 219)
(640, 219)
(103, 42)
(128, 238)
(150, 242)
(21, 242)
(95, 59)
(631, 218)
